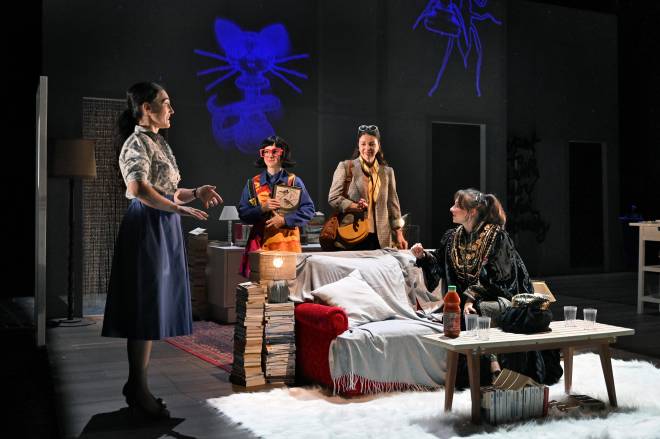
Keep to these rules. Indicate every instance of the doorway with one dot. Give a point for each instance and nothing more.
(457, 161)
(587, 186)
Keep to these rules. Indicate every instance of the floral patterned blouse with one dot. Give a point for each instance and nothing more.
(146, 156)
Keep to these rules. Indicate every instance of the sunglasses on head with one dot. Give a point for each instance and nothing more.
(367, 128)
(275, 152)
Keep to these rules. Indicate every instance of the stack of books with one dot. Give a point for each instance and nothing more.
(513, 397)
(279, 357)
(313, 228)
(197, 260)
(249, 335)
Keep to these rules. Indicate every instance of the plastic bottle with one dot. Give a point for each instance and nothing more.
(451, 317)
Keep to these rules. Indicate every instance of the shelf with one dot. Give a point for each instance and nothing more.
(652, 298)
(648, 231)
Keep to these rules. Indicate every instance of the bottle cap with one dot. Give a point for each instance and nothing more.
(451, 287)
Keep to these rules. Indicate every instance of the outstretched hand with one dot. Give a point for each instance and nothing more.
(417, 250)
(469, 308)
(209, 196)
(191, 211)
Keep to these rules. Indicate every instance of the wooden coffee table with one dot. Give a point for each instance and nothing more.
(561, 337)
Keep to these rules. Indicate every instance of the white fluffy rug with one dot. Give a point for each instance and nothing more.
(311, 412)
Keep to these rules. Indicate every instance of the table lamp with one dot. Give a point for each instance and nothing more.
(278, 267)
(229, 214)
(73, 159)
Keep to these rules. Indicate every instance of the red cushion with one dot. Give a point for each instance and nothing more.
(316, 326)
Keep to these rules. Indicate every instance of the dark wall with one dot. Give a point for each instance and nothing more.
(376, 69)
(562, 85)
(639, 84)
(100, 48)
(367, 65)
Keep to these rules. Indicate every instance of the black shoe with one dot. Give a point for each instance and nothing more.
(159, 413)
(129, 394)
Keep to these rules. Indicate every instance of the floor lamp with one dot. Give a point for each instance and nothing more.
(73, 159)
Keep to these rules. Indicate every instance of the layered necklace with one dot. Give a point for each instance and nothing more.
(469, 251)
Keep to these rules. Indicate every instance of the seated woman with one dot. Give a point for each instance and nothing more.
(478, 257)
(274, 226)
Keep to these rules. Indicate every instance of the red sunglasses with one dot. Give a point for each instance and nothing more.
(275, 152)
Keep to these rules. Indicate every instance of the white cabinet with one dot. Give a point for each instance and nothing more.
(648, 231)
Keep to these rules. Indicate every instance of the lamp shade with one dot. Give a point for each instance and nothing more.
(74, 158)
(277, 265)
(229, 213)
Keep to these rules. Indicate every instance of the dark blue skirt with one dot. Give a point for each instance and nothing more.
(149, 291)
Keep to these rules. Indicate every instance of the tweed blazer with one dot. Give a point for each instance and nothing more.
(387, 209)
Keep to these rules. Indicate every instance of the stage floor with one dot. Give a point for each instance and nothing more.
(87, 372)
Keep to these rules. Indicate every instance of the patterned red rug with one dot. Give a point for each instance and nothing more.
(209, 341)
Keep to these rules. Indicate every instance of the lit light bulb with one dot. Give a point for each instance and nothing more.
(278, 262)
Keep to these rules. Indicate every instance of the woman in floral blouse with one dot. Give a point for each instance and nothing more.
(149, 293)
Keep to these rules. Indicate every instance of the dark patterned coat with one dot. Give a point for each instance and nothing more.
(483, 264)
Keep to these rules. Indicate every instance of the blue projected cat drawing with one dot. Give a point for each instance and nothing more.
(249, 56)
(456, 21)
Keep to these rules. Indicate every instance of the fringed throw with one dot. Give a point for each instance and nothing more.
(352, 383)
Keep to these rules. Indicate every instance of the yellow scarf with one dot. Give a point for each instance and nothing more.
(373, 189)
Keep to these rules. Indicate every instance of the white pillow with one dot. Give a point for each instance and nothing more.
(361, 303)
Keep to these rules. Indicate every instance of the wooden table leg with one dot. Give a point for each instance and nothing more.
(475, 384)
(606, 364)
(568, 368)
(450, 378)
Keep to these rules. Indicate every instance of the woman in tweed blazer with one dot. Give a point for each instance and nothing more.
(372, 189)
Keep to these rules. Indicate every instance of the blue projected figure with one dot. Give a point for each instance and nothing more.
(250, 55)
(456, 21)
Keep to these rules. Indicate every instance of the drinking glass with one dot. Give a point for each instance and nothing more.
(483, 324)
(570, 312)
(589, 317)
(471, 325)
